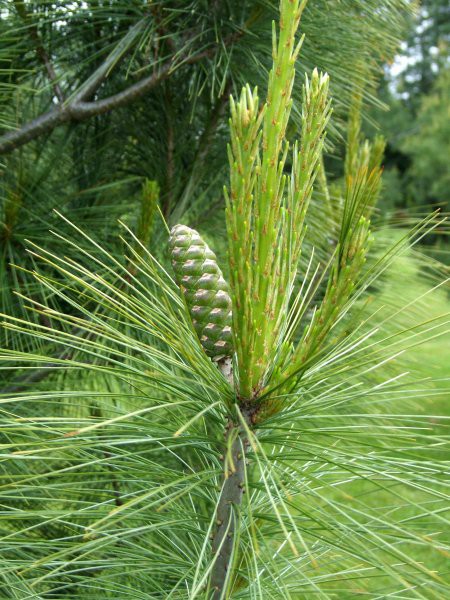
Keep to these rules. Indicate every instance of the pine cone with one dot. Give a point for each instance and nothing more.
(204, 288)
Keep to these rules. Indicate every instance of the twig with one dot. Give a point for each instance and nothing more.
(39, 48)
(162, 32)
(216, 113)
(170, 159)
(77, 109)
(23, 382)
(224, 542)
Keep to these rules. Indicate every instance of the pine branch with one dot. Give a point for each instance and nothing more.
(93, 82)
(78, 109)
(170, 155)
(266, 225)
(362, 185)
(228, 509)
(39, 48)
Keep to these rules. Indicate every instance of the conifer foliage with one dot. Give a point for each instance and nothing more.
(145, 467)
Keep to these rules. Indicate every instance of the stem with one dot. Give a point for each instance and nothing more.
(224, 543)
(204, 144)
(77, 109)
(41, 53)
(170, 156)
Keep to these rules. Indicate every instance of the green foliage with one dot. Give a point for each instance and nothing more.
(429, 146)
(427, 47)
(138, 467)
(264, 229)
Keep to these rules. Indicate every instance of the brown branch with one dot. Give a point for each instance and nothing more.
(63, 112)
(164, 36)
(84, 110)
(93, 82)
(39, 48)
(22, 383)
(78, 110)
(30, 131)
(228, 514)
(170, 173)
(169, 180)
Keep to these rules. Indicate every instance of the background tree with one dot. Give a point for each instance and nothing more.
(419, 82)
(426, 49)
(428, 146)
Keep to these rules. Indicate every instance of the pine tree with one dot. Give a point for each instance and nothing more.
(99, 97)
(141, 467)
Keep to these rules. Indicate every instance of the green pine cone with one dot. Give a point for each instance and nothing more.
(204, 288)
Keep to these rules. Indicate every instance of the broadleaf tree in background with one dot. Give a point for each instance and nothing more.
(426, 50)
(180, 449)
(415, 88)
(428, 146)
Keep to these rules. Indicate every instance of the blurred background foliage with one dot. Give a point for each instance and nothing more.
(416, 90)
